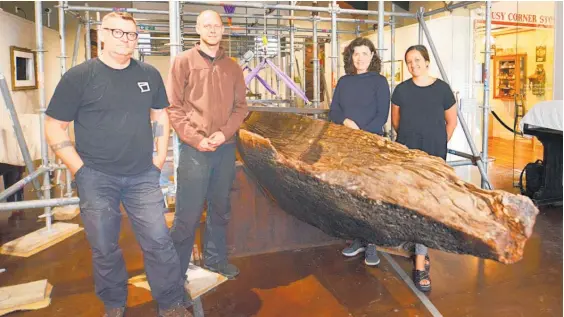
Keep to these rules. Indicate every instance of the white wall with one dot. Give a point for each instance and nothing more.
(162, 63)
(450, 34)
(20, 32)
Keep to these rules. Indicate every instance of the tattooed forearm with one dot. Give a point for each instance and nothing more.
(62, 145)
(158, 130)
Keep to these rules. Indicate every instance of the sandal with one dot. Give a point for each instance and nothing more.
(427, 262)
(418, 277)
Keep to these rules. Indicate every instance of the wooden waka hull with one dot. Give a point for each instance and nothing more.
(354, 184)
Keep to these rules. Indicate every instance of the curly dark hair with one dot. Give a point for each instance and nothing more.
(375, 63)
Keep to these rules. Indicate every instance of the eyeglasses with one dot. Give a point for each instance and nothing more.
(118, 34)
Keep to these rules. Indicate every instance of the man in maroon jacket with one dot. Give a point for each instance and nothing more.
(206, 91)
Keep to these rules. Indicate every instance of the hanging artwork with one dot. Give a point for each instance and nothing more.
(23, 65)
(537, 81)
(541, 53)
(387, 71)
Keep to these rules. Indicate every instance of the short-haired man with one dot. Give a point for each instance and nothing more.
(206, 90)
(112, 100)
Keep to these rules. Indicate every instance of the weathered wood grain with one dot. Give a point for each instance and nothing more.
(354, 184)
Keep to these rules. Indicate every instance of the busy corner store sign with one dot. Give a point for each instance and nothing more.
(522, 19)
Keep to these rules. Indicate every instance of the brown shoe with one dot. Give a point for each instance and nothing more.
(177, 310)
(115, 312)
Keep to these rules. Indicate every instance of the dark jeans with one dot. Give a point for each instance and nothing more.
(100, 196)
(12, 174)
(203, 176)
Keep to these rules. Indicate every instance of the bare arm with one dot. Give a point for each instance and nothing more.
(451, 120)
(395, 117)
(59, 140)
(161, 135)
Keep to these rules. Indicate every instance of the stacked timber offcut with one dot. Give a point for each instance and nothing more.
(354, 184)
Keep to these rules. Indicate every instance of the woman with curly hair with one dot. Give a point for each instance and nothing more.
(361, 101)
(424, 115)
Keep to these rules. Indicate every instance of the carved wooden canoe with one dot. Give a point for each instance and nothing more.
(354, 184)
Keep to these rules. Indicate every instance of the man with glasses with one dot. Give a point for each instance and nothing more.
(206, 91)
(112, 101)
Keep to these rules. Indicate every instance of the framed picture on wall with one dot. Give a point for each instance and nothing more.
(387, 71)
(541, 53)
(23, 66)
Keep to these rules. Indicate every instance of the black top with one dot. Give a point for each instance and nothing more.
(364, 98)
(422, 123)
(110, 110)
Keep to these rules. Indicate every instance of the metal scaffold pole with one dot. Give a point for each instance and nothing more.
(334, 46)
(41, 87)
(486, 105)
(480, 163)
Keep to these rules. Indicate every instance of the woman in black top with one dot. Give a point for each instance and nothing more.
(424, 116)
(361, 101)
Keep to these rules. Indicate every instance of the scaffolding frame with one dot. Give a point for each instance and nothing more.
(176, 44)
(46, 166)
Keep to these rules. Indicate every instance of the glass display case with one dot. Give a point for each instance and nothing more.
(510, 76)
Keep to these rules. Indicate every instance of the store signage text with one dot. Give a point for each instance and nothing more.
(521, 18)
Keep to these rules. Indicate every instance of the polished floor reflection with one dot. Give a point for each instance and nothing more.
(319, 281)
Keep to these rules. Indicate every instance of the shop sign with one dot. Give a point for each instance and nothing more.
(522, 19)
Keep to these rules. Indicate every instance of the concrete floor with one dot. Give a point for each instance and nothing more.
(319, 281)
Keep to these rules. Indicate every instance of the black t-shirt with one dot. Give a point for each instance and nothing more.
(111, 113)
(422, 123)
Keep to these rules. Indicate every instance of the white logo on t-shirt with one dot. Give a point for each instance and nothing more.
(144, 86)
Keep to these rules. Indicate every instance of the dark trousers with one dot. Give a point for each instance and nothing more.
(12, 174)
(203, 176)
(100, 196)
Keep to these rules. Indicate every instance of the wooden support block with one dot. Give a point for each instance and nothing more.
(65, 212)
(39, 240)
(200, 281)
(28, 296)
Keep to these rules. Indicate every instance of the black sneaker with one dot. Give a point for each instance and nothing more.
(355, 248)
(371, 256)
(228, 270)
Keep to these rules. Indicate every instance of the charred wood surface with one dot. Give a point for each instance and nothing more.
(354, 184)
